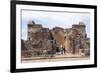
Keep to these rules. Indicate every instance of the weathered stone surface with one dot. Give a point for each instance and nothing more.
(42, 39)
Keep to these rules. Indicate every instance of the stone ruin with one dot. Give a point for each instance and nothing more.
(42, 40)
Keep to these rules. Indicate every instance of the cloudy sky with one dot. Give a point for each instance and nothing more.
(51, 19)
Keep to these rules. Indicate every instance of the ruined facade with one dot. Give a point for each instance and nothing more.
(74, 40)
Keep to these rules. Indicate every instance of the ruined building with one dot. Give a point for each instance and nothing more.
(41, 39)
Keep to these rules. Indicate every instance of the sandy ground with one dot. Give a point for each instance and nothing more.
(54, 60)
(65, 57)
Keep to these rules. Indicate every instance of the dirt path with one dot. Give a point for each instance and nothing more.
(65, 57)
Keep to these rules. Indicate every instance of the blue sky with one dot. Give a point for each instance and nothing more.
(51, 19)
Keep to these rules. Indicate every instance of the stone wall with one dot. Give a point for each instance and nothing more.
(72, 39)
